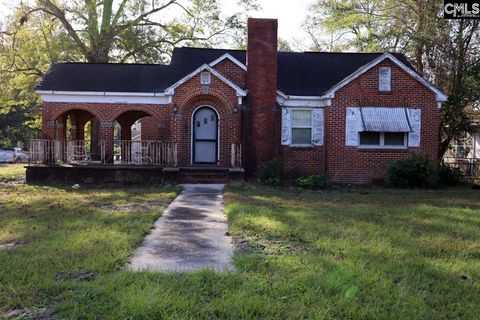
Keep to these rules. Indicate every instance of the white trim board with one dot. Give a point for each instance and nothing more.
(124, 98)
(229, 57)
(441, 97)
(302, 101)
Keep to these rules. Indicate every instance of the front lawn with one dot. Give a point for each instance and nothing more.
(366, 254)
(12, 172)
(334, 255)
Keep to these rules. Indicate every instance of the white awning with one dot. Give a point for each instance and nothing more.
(385, 120)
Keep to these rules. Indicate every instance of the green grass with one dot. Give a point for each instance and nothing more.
(12, 172)
(332, 255)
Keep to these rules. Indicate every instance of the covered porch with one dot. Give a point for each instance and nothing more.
(132, 162)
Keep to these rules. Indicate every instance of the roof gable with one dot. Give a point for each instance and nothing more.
(240, 92)
(441, 97)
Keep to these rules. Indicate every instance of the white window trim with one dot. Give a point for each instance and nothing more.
(382, 142)
(302, 145)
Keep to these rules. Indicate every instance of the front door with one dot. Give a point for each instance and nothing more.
(205, 136)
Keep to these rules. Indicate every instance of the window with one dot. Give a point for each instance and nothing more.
(301, 127)
(384, 79)
(383, 139)
(205, 77)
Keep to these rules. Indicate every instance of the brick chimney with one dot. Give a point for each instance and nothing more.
(264, 136)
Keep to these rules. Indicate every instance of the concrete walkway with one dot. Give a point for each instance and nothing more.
(190, 235)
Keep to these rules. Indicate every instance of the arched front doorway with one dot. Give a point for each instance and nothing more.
(205, 136)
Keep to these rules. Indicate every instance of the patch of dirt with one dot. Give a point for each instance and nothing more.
(29, 314)
(14, 181)
(254, 245)
(80, 276)
(133, 206)
(10, 245)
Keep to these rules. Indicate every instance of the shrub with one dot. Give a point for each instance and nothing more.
(270, 173)
(449, 176)
(416, 172)
(312, 182)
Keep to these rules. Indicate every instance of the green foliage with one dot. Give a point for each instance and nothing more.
(313, 182)
(449, 176)
(39, 33)
(415, 172)
(270, 173)
(15, 129)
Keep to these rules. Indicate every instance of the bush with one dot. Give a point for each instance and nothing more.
(270, 173)
(416, 172)
(449, 176)
(312, 182)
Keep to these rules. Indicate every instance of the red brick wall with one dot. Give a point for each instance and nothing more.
(302, 160)
(353, 165)
(232, 72)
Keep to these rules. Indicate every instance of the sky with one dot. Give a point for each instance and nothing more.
(290, 14)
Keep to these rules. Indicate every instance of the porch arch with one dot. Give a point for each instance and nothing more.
(70, 124)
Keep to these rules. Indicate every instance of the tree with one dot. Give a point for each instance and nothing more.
(137, 30)
(39, 33)
(441, 50)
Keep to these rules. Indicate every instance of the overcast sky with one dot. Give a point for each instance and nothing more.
(290, 14)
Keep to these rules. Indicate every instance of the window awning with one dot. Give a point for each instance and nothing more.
(385, 120)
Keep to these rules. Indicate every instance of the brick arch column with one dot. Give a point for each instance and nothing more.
(229, 124)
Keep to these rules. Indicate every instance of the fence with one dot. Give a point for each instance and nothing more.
(82, 152)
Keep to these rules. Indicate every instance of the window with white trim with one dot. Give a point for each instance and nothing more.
(385, 79)
(205, 77)
(383, 139)
(301, 127)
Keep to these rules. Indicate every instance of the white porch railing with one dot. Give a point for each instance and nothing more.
(236, 155)
(158, 153)
(45, 151)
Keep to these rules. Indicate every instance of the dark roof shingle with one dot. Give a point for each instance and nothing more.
(299, 73)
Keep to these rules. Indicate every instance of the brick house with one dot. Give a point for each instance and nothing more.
(347, 115)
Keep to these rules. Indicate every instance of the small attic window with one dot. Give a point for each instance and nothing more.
(385, 79)
(205, 77)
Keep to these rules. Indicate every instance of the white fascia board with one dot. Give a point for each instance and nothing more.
(171, 90)
(100, 93)
(85, 98)
(229, 57)
(285, 100)
(440, 96)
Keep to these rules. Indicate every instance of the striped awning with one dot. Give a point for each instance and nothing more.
(385, 120)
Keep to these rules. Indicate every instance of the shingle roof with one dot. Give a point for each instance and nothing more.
(299, 73)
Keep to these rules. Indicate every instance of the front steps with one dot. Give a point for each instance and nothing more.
(208, 174)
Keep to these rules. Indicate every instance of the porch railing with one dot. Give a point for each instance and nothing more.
(469, 167)
(236, 155)
(158, 153)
